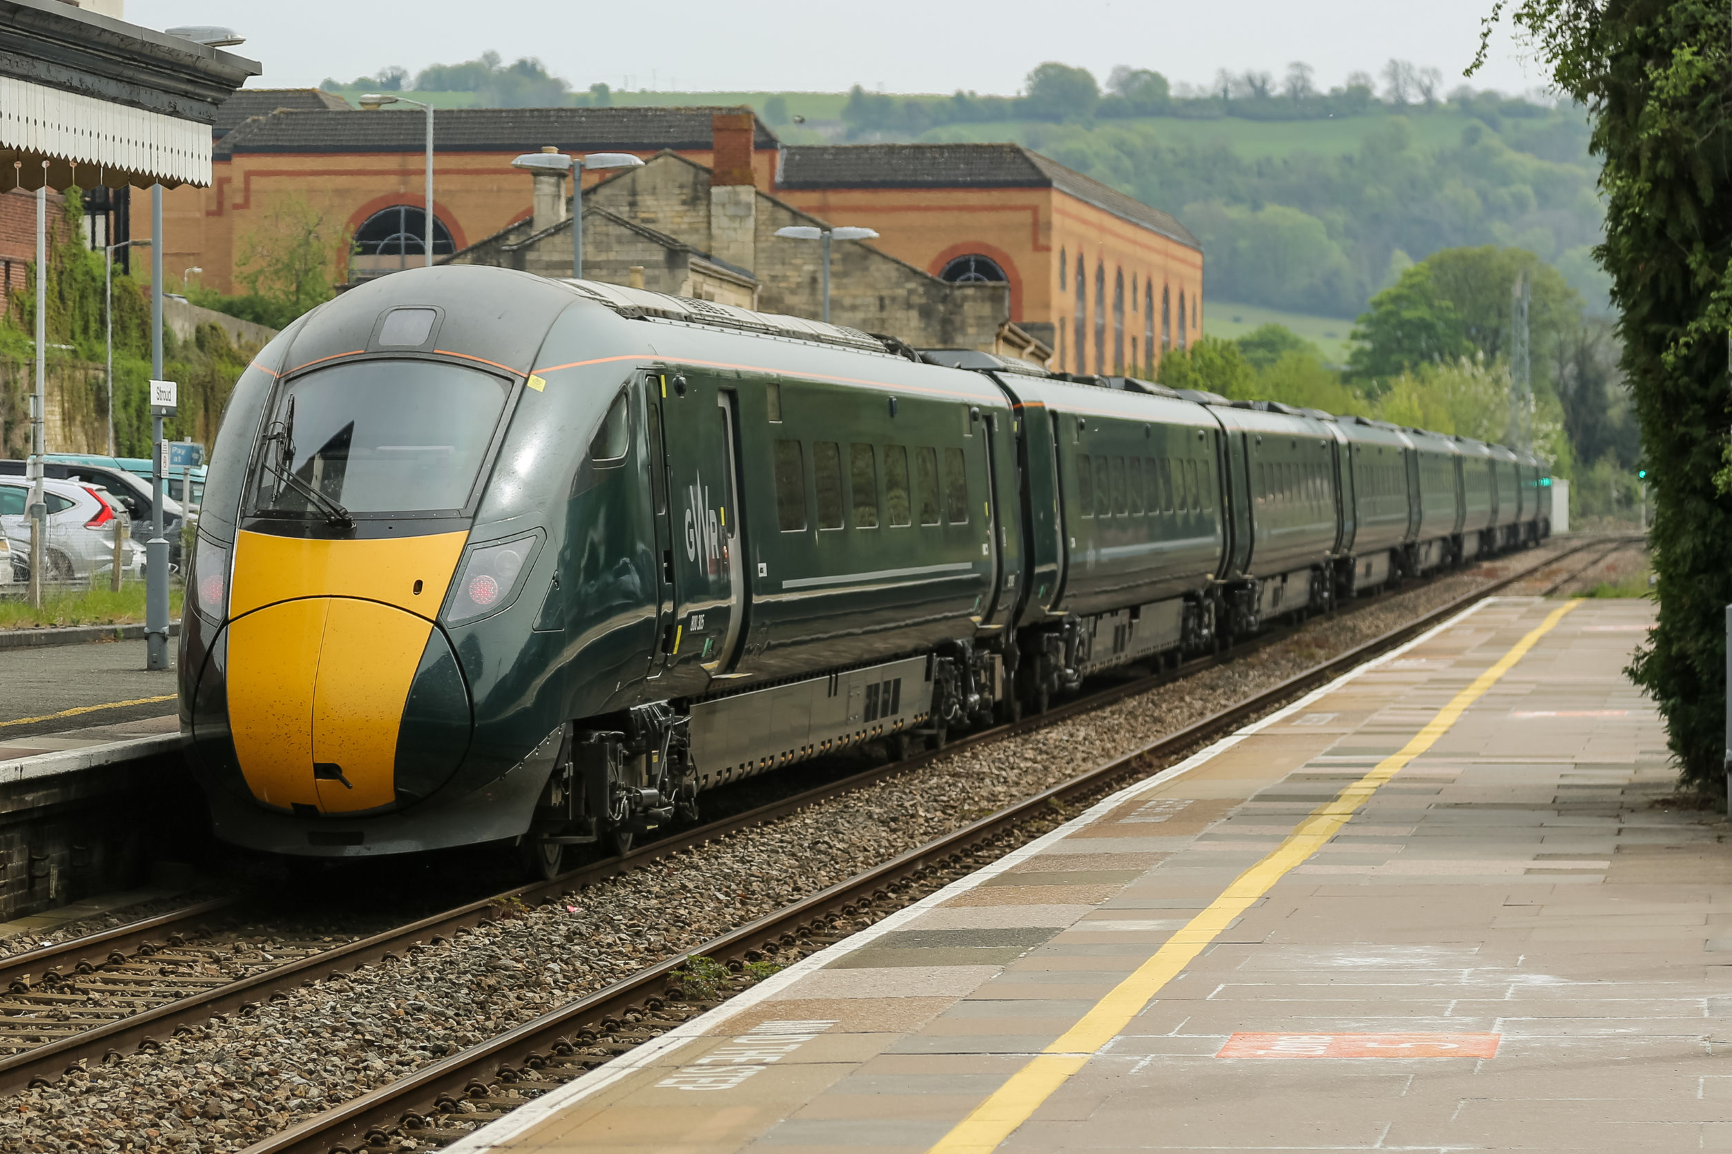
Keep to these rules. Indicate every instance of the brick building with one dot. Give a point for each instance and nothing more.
(361, 174)
(1106, 281)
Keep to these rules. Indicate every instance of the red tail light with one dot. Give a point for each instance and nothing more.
(104, 515)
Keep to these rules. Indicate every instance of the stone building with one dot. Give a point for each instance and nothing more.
(677, 226)
(1107, 280)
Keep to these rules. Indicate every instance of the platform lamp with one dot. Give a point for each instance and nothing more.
(577, 165)
(372, 102)
(810, 232)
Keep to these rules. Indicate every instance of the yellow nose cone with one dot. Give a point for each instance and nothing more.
(322, 654)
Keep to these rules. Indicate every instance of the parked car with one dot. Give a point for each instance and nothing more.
(8, 562)
(80, 525)
(125, 485)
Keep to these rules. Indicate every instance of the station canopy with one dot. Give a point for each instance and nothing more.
(101, 101)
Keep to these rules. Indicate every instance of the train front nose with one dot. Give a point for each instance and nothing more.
(341, 698)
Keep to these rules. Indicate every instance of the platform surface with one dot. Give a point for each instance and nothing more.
(86, 700)
(1431, 907)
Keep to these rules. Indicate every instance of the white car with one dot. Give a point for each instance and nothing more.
(81, 520)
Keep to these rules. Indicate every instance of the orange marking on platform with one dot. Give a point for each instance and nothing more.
(1361, 1046)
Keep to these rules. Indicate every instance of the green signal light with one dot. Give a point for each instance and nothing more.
(1545, 482)
(1641, 473)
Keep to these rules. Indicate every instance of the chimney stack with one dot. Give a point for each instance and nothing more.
(733, 194)
(549, 203)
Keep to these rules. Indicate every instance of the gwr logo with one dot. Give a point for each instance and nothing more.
(703, 527)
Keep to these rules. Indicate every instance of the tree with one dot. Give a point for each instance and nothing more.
(1144, 92)
(1398, 80)
(1060, 92)
(1408, 325)
(289, 257)
(1463, 395)
(776, 109)
(1653, 78)
(1258, 84)
(1266, 344)
(1457, 302)
(1298, 86)
(1426, 81)
(1211, 364)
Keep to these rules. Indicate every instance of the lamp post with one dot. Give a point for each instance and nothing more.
(559, 162)
(372, 102)
(108, 320)
(810, 232)
(186, 276)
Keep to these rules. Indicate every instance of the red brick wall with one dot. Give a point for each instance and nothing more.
(18, 238)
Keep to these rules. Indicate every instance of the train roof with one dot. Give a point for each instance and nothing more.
(1083, 396)
(642, 304)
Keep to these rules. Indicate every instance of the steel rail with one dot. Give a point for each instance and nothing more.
(372, 1115)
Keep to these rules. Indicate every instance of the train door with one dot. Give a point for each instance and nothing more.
(657, 458)
(703, 522)
(733, 553)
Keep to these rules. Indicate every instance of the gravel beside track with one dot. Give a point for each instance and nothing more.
(218, 1087)
(25, 941)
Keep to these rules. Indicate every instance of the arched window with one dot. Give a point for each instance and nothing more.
(1100, 318)
(1181, 320)
(1149, 329)
(399, 231)
(973, 269)
(1063, 283)
(1082, 309)
(1119, 323)
(1166, 317)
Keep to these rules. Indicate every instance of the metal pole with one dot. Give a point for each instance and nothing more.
(825, 237)
(39, 406)
(156, 549)
(1728, 762)
(577, 217)
(108, 321)
(427, 225)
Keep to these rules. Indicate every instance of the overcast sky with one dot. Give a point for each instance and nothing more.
(986, 46)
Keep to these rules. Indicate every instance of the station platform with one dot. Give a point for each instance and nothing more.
(70, 707)
(1438, 904)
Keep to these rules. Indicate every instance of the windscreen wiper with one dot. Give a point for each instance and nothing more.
(334, 512)
(284, 436)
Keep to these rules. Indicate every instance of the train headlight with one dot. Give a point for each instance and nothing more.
(489, 579)
(210, 569)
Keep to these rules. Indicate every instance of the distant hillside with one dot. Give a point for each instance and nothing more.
(1306, 201)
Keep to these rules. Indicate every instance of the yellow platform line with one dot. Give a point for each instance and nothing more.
(1016, 1101)
(74, 712)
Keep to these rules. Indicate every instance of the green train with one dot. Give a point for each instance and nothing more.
(487, 557)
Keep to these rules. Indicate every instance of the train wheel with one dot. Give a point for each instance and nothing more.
(543, 858)
(618, 840)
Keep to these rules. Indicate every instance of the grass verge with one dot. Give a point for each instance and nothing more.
(100, 606)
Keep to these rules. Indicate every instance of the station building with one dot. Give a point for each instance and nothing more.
(1103, 281)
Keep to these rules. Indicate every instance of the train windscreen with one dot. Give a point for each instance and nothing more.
(376, 437)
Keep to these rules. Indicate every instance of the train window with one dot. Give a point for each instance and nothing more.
(1134, 482)
(1085, 484)
(1206, 485)
(773, 401)
(1118, 473)
(863, 479)
(658, 476)
(611, 437)
(827, 472)
(1165, 468)
(955, 487)
(926, 483)
(790, 487)
(1103, 488)
(1191, 502)
(896, 483)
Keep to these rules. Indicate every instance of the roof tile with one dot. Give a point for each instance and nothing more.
(628, 129)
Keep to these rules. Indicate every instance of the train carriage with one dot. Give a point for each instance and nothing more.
(1477, 482)
(1376, 515)
(486, 557)
(1287, 529)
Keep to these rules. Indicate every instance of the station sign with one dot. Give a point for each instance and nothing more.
(185, 454)
(164, 398)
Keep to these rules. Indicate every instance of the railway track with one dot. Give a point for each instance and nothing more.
(93, 999)
(447, 1099)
